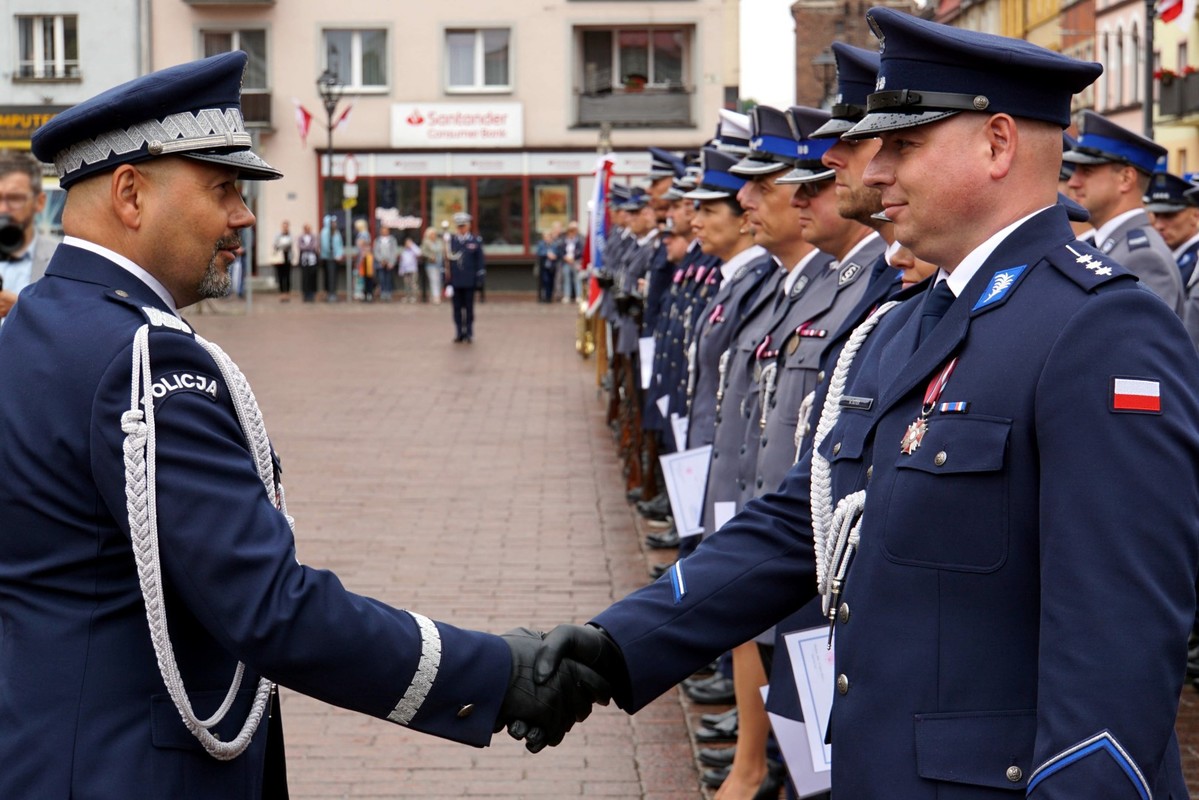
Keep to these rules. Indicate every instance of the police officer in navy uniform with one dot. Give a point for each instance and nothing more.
(465, 267)
(1012, 588)
(1112, 170)
(147, 671)
(1175, 210)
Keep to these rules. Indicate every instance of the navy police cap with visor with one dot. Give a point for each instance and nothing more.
(1101, 141)
(857, 73)
(191, 110)
(809, 168)
(1168, 194)
(717, 181)
(772, 146)
(929, 71)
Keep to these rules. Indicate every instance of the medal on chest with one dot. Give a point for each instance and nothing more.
(914, 435)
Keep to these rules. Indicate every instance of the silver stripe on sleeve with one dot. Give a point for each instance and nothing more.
(426, 672)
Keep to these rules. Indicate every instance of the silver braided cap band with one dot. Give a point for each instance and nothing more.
(184, 132)
(426, 672)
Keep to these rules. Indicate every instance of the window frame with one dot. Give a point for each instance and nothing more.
(650, 32)
(61, 67)
(478, 63)
(355, 85)
(235, 34)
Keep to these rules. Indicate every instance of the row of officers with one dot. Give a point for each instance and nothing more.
(749, 265)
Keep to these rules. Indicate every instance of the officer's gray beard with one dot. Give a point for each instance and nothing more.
(217, 283)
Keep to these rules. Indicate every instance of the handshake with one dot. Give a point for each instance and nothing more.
(556, 680)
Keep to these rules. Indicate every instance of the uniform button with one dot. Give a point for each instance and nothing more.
(742, 449)
(741, 485)
(123, 293)
(820, 376)
(836, 448)
(940, 459)
(843, 613)
(869, 472)
(466, 711)
(759, 484)
(842, 684)
(763, 441)
(1014, 774)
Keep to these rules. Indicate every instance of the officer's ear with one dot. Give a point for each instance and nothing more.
(1002, 137)
(128, 193)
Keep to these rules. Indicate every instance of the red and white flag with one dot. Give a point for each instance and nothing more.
(343, 118)
(1180, 11)
(1136, 394)
(303, 121)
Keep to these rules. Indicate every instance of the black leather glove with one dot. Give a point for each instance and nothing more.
(541, 712)
(591, 647)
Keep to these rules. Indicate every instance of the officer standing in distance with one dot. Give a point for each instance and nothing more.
(464, 270)
(1012, 588)
(123, 426)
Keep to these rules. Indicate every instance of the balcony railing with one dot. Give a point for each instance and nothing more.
(636, 108)
(256, 108)
(1178, 96)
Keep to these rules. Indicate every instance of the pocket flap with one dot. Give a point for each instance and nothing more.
(957, 444)
(989, 748)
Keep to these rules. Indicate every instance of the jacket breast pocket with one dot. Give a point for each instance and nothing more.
(948, 503)
(848, 440)
(990, 749)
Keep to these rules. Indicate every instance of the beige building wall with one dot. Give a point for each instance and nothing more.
(545, 74)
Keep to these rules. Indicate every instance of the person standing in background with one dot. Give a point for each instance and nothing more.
(24, 252)
(572, 254)
(282, 259)
(333, 254)
(310, 257)
(432, 249)
(409, 264)
(465, 268)
(386, 254)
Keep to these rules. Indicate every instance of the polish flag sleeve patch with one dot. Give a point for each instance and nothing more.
(1136, 395)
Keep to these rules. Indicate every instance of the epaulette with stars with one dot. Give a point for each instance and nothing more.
(1085, 265)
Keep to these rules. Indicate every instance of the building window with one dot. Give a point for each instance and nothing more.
(477, 60)
(634, 57)
(48, 46)
(357, 57)
(634, 77)
(255, 93)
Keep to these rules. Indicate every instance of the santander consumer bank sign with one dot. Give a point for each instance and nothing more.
(449, 125)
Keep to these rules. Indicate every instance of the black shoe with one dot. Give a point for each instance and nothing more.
(714, 777)
(660, 524)
(707, 680)
(771, 784)
(633, 495)
(663, 541)
(658, 570)
(717, 756)
(658, 508)
(457, 339)
(469, 339)
(721, 735)
(714, 694)
(709, 720)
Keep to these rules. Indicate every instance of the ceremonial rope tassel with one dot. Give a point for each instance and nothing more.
(140, 497)
(803, 423)
(836, 529)
(768, 384)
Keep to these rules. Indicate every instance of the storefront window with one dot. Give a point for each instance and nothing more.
(501, 211)
(552, 202)
(398, 206)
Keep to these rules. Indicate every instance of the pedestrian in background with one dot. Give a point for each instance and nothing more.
(433, 251)
(568, 266)
(284, 249)
(386, 255)
(364, 270)
(547, 264)
(409, 258)
(310, 257)
(362, 235)
(333, 255)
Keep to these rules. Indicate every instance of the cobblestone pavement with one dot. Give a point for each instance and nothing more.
(478, 485)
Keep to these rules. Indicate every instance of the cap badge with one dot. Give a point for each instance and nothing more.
(981, 103)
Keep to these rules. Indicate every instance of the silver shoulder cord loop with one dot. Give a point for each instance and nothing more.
(140, 479)
(836, 530)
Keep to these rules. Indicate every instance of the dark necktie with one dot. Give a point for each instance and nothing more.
(935, 305)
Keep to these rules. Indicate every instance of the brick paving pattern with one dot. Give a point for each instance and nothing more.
(478, 485)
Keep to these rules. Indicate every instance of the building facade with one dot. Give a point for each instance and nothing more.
(497, 109)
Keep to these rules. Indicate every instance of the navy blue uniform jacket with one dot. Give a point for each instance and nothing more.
(1018, 609)
(84, 713)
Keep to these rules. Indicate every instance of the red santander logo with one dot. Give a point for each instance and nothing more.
(415, 118)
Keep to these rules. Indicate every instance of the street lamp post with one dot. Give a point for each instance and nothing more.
(824, 64)
(330, 89)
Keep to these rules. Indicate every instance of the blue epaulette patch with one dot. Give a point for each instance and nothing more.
(1001, 283)
(1085, 265)
(1137, 239)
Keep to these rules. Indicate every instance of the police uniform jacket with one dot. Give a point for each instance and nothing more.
(729, 443)
(805, 337)
(713, 335)
(465, 264)
(1142, 251)
(1016, 616)
(1190, 314)
(84, 713)
(1187, 260)
(636, 265)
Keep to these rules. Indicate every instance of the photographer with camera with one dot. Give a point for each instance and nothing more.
(23, 253)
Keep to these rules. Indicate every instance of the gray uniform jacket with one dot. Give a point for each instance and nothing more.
(1142, 251)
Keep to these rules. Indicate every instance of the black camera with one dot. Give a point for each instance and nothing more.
(12, 236)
